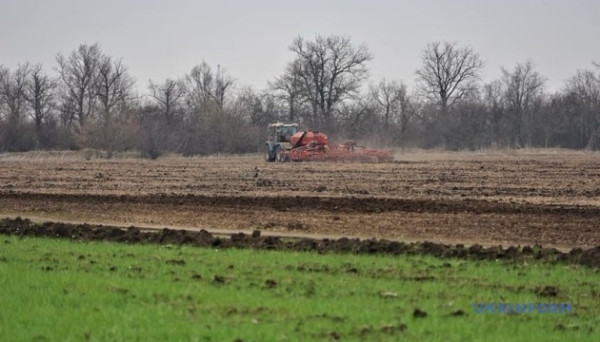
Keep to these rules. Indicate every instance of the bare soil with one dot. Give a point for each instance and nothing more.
(20, 227)
(547, 198)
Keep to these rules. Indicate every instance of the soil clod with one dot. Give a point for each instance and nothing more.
(546, 291)
(169, 237)
(418, 313)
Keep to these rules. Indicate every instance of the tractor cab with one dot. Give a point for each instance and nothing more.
(279, 138)
(282, 133)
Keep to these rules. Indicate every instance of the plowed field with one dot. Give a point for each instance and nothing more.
(549, 198)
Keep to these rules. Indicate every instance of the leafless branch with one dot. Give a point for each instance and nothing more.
(448, 73)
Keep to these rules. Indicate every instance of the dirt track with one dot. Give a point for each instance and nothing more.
(550, 199)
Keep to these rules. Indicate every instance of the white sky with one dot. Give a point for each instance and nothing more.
(161, 39)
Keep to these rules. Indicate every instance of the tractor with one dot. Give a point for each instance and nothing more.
(286, 143)
(279, 138)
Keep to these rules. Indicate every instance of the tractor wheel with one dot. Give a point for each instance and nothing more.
(268, 156)
(279, 156)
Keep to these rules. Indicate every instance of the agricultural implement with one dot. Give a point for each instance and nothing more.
(286, 143)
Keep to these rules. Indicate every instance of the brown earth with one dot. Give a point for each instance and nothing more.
(20, 227)
(549, 198)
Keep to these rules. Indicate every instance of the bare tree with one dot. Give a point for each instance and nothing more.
(114, 89)
(494, 102)
(523, 87)
(288, 88)
(4, 75)
(258, 109)
(152, 136)
(392, 102)
(79, 74)
(584, 87)
(207, 97)
(223, 83)
(203, 85)
(13, 92)
(13, 88)
(168, 96)
(448, 73)
(40, 96)
(391, 98)
(331, 70)
(200, 86)
(114, 86)
(359, 120)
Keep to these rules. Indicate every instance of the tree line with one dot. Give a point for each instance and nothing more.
(88, 99)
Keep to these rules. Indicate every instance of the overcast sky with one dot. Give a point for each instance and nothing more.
(162, 39)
